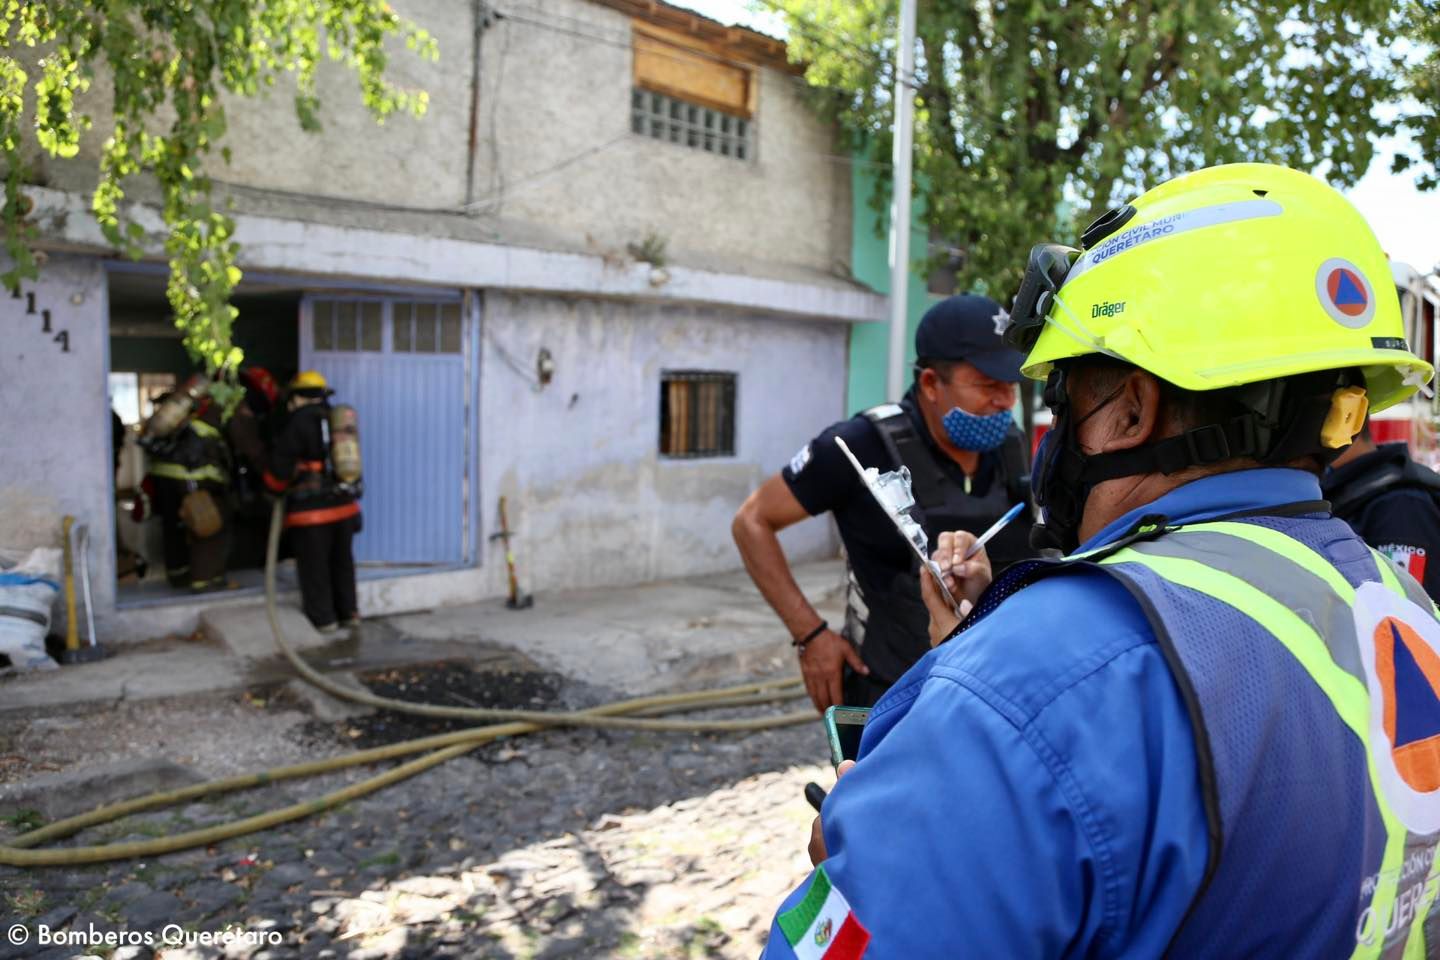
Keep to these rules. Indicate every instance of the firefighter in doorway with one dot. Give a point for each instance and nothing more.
(248, 432)
(188, 482)
(314, 461)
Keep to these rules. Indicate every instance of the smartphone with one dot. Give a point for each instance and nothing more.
(843, 726)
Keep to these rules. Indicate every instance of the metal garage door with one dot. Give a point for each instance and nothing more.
(401, 364)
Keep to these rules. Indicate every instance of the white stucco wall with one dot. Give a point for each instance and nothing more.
(556, 161)
(55, 411)
(405, 161)
(588, 494)
(789, 205)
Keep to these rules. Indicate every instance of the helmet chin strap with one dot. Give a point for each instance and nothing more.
(1061, 490)
(1280, 421)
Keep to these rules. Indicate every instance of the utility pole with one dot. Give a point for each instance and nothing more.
(904, 136)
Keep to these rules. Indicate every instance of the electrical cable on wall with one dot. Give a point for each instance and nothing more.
(497, 176)
(539, 176)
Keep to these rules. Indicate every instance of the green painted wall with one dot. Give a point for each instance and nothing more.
(870, 262)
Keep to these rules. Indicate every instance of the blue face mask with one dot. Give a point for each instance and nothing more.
(970, 432)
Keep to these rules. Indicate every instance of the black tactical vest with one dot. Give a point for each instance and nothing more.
(1394, 472)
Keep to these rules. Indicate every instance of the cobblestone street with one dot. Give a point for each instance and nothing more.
(572, 843)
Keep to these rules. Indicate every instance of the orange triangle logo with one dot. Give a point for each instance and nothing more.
(1408, 671)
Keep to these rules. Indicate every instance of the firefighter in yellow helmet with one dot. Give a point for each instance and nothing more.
(1213, 728)
(322, 512)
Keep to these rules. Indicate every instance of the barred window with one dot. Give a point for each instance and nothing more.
(697, 414)
(660, 117)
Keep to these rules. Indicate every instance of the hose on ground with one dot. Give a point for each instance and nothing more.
(634, 714)
(544, 718)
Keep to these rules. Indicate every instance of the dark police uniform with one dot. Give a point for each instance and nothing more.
(1393, 504)
(884, 613)
(320, 518)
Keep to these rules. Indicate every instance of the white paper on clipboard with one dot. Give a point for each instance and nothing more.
(892, 491)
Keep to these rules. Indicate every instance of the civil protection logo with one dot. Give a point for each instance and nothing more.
(1344, 293)
(1400, 651)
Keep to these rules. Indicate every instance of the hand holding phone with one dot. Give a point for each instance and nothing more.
(843, 727)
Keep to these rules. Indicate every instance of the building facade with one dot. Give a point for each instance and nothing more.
(606, 277)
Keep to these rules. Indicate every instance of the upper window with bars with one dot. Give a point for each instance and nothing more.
(666, 118)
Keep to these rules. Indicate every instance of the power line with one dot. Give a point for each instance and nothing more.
(505, 193)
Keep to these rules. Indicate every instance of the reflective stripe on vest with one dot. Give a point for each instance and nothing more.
(203, 429)
(1307, 606)
(174, 471)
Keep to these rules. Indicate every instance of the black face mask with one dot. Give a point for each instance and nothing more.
(1272, 422)
(1058, 478)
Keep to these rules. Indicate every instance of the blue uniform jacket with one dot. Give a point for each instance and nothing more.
(1029, 789)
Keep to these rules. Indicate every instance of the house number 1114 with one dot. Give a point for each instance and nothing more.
(62, 337)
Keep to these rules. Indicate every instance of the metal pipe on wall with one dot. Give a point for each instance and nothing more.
(482, 22)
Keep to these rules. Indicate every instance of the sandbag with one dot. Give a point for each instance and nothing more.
(25, 604)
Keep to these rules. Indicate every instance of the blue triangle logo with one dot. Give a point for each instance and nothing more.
(1417, 709)
(1346, 292)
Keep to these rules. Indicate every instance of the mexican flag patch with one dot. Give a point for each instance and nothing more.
(1411, 559)
(822, 926)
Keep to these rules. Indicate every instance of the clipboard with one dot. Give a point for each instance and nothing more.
(892, 491)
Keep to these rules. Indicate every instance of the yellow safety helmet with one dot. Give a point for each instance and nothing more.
(1231, 275)
(309, 380)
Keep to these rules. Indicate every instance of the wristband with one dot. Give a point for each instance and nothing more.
(811, 635)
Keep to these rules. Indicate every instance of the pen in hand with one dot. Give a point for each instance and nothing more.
(995, 528)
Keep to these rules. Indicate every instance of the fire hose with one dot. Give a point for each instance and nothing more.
(634, 714)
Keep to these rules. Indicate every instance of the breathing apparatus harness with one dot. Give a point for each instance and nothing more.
(1274, 421)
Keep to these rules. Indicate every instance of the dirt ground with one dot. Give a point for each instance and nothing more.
(562, 843)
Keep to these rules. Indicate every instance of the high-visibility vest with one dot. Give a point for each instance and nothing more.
(1310, 667)
(204, 473)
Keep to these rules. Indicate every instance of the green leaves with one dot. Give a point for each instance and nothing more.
(167, 65)
(1032, 117)
(1420, 115)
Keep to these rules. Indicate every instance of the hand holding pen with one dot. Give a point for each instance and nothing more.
(966, 573)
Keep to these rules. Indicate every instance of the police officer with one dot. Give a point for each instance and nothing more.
(321, 517)
(1392, 502)
(188, 482)
(955, 433)
(1211, 730)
